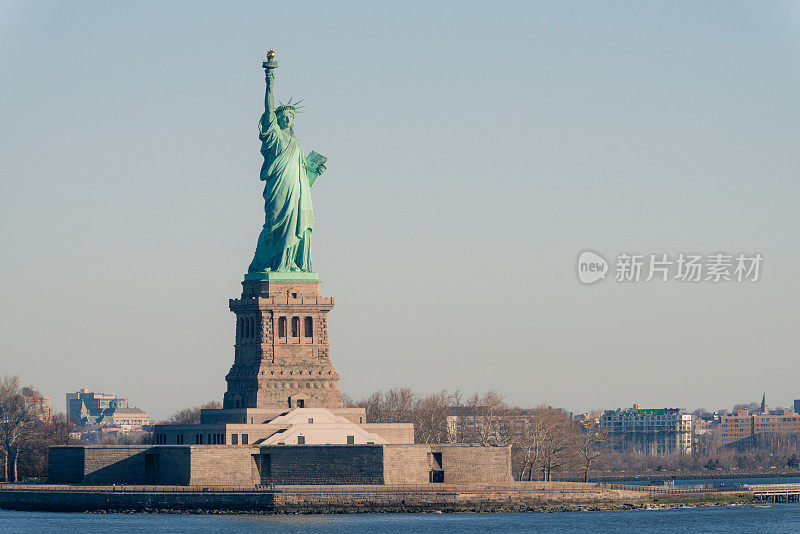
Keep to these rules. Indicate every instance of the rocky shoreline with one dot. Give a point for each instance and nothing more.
(534, 498)
(600, 507)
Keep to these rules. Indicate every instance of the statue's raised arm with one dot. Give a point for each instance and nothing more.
(269, 74)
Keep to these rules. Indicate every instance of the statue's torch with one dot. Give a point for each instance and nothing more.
(270, 63)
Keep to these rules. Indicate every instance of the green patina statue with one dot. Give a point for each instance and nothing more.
(284, 245)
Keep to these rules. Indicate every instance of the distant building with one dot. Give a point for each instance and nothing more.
(656, 432)
(87, 408)
(40, 404)
(125, 417)
(797, 406)
(476, 422)
(743, 427)
(705, 423)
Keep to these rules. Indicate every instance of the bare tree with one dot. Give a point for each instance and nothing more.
(17, 421)
(404, 405)
(393, 406)
(400, 404)
(348, 401)
(458, 430)
(553, 437)
(430, 418)
(589, 441)
(526, 443)
(486, 420)
(190, 416)
(33, 455)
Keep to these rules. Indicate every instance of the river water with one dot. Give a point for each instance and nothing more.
(777, 518)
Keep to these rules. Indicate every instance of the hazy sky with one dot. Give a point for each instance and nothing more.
(474, 150)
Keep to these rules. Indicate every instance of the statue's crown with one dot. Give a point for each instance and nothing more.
(291, 106)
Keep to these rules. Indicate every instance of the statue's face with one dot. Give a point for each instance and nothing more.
(285, 119)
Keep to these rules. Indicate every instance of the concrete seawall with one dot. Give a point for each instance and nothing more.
(519, 496)
(134, 501)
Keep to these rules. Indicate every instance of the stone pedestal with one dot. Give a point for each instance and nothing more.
(282, 354)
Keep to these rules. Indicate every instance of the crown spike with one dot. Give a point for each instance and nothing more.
(289, 105)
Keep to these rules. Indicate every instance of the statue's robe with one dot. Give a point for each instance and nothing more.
(285, 240)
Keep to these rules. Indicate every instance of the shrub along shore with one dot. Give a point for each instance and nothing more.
(699, 474)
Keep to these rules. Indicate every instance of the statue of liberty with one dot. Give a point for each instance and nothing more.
(284, 244)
